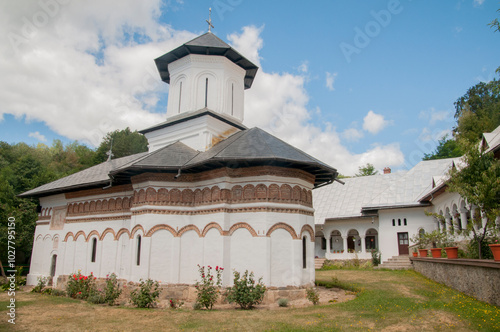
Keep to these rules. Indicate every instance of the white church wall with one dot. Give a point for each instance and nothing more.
(282, 258)
(107, 257)
(248, 253)
(213, 250)
(191, 254)
(161, 264)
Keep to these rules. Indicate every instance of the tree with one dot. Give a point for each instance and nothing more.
(366, 170)
(125, 143)
(447, 148)
(495, 25)
(478, 111)
(478, 181)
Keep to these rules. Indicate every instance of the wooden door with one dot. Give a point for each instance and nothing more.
(403, 243)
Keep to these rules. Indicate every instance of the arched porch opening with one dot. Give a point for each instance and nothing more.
(371, 239)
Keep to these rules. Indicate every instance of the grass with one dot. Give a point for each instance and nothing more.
(386, 300)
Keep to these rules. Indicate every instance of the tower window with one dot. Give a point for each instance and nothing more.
(399, 222)
(232, 98)
(206, 92)
(138, 250)
(180, 96)
(393, 222)
(94, 250)
(404, 221)
(304, 253)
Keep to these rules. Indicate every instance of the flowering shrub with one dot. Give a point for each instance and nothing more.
(42, 282)
(283, 302)
(174, 304)
(146, 295)
(312, 295)
(80, 286)
(112, 290)
(208, 287)
(245, 291)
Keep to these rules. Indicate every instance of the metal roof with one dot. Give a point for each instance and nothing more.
(377, 192)
(206, 44)
(183, 117)
(95, 176)
(252, 147)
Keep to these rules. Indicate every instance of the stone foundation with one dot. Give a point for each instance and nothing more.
(187, 293)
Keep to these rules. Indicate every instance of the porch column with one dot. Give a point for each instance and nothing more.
(484, 219)
(449, 223)
(363, 244)
(463, 218)
(327, 244)
(473, 212)
(438, 224)
(455, 221)
(497, 222)
(345, 243)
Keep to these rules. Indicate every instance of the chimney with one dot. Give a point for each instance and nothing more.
(387, 170)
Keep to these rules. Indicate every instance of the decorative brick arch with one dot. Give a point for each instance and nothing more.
(135, 229)
(82, 233)
(86, 207)
(303, 196)
(68, 235)
(261, 192)
(70, 209)
(308, 229)
(93, 232)
(286, 227)
(242, 225)
(49, 212)
(206, 195)
(104, 205)
(249, 191)
(40, 236)
(151, 195)
(163, 195)
(98, 205)
(236, 193)
(119, 204)
(215, 194)
(160, 227)
(126, 203)
(285, 192)
(187, 196)
(121, 232)
(106, 231)
(296, 193)
(175, 195)
(141, 196)
(188, 228)
(92, 206)
(112, 204)
(274, 192)
(197, 196)
(47, 236)
(211, 225)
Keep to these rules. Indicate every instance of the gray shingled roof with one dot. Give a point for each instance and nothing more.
(401, 189)
(206, 44)
(252, 147)
(246, 148)
(90, 177)
(183, 117)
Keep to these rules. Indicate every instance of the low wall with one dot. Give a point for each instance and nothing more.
(477, 278)
(188, 293)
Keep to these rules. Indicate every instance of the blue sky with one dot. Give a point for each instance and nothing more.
(348, 82)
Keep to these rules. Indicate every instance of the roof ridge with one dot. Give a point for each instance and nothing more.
(243, 133)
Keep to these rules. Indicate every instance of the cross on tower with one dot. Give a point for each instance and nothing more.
(209, 21)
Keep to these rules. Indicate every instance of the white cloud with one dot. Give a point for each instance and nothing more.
(478, 3)
(277, 103)
(304, 67)
(352, 134)
(248, 42)
(435, 135)
(374, 122)
(36, 135)
(330, 79)
(435, 116)
(76, 71)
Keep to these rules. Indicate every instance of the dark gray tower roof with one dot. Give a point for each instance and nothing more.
(206, 44)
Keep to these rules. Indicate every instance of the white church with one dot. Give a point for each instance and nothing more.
(209, 191)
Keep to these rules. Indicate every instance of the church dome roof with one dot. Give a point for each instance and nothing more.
(206, 44)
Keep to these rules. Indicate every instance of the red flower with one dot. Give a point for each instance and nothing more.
(85, 278)
(79, 292)
(95, 278)
(217, 268)
(74, 276)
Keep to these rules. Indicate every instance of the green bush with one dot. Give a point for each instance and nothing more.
(174, 303)
(197, 306)
(57, 292)
(80, 286)
(96, 298)
(245, 291)
(312, 295)
(146, 295)
(283, 302)
(208, 287)
(112, 290)
(42, 282)
(376, 257)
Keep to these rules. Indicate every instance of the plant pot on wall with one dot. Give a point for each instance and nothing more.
(436, 252)
(451, 252)
(495, 249)
(422, 252)
(415, 254)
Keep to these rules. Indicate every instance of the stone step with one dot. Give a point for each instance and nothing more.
(396, 263)
(318, 263)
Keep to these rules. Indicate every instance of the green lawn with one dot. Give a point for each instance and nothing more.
(386, 301)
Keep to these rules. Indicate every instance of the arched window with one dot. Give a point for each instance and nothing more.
(304, 253)
(393, 222)
(421, 232)
(206, 92)
(180, 96)
(404, 221)
(138, 250)
(399, 222)
(94, 250)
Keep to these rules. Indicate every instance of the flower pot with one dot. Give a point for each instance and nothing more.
(422, 252)
(451, 252)
(415, 254)
(436, 252)
(495, 249)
